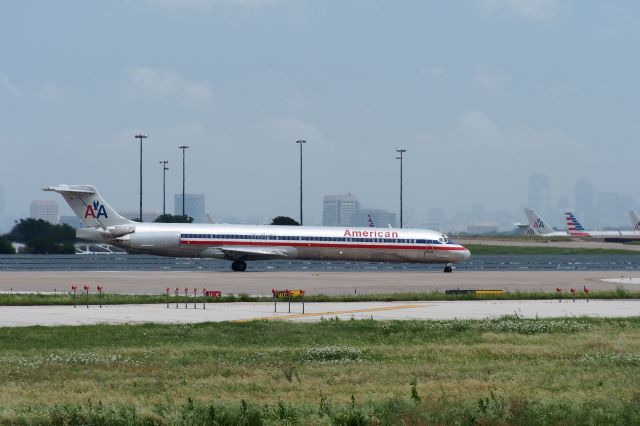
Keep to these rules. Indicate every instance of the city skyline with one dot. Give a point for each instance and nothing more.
(597, 209)
(241, 81)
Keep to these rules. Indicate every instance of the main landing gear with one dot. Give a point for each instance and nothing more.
(239, 265)
(448, 268)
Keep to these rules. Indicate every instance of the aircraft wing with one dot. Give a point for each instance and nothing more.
(252, 253)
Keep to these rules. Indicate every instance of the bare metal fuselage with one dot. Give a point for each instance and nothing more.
(240, 243)
(247, 242)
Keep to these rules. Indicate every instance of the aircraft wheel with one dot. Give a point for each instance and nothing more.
(239, 266)
(448, 268)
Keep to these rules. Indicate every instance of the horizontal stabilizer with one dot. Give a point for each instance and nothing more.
(78, 189)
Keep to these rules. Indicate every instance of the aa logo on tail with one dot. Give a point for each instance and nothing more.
(538, 224)
(95, 210)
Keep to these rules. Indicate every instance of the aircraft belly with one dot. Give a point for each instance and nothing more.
(371, 255)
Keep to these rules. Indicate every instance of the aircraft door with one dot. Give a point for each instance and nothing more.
(428, 250)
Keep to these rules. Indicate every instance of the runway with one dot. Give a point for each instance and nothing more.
(329, 283)
(20, 316)
(543, 242)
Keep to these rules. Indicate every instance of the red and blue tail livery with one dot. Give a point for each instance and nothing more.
(574, 227)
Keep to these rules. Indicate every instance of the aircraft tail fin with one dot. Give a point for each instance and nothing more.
(635, 220)
(89, 206)
(574, 227)
(537, 226)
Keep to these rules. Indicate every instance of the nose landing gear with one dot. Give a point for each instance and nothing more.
(448, 268)
(239, 265)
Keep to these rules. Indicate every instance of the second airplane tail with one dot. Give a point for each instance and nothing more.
(537, 226)
(574, 227)
(635, 220)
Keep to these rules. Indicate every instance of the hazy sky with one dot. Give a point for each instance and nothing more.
(481, 93)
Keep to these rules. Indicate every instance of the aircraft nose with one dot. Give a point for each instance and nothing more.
(466, 254)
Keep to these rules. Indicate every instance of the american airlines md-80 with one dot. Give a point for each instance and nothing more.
(241, 243)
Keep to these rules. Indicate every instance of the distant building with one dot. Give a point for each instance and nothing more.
(47, 210)
(585, 203)
(193, 206)
(2, 202)
(613, 209)
(4, 224)
(540, 194)
(436, 219)
(339, 210)
(381, 218)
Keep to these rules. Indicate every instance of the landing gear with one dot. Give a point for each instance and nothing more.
(448, 268)
(239, 265)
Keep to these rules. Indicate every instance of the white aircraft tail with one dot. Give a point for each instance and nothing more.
(635, 220)
(88, 205)
(537, 226)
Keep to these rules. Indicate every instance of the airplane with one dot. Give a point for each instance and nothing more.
(635, 220)
(242, 243)
(576, 229)
(539, 227)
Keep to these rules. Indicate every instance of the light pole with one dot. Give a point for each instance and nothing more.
(140, 136)
(164, 185)
(300, 142)
(401, 151)
(183, 148)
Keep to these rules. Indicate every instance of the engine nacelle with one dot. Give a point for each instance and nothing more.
(151, 240)
(90, 234)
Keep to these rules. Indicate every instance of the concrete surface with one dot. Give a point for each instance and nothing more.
(331, 283)
(16, 316)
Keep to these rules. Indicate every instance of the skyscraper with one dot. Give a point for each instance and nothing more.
(585, 206)
(381, 218)
(339, 210)
(46, 210)
(2, 202)
(193, 206)
(540, 194)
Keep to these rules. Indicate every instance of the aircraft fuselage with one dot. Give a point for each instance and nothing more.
(253, 242)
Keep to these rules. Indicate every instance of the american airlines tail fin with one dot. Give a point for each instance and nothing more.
(88, 205)
(537, 226)
(574, 227)
(635, 220)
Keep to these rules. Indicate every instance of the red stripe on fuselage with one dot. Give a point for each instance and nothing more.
(320, 245)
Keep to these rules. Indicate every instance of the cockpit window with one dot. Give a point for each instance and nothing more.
(443, 239)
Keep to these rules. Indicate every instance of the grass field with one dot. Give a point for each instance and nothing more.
(503, 371)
